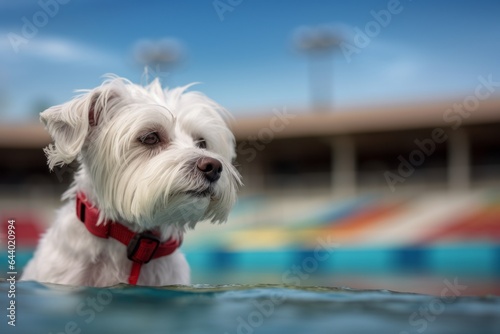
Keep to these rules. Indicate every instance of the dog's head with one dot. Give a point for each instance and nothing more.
(149, 156)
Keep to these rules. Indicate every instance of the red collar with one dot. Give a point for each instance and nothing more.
(141, 247)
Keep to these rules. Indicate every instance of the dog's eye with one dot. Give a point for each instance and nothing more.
(150, 138)
(201, 143)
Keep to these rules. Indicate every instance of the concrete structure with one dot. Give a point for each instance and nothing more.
(438, 144)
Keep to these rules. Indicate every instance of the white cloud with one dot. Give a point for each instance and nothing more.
(56, 50)
(64, 50)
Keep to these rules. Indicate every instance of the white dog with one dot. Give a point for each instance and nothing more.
(152, 162)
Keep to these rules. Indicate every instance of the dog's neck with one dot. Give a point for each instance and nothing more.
(141, 247)
(81, 184)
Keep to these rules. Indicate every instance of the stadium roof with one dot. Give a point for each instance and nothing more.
(367, 120)
(299, 123)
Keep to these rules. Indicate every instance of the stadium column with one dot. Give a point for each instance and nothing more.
(343, 166)
(458, 161)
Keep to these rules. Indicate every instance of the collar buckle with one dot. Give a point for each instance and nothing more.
(142, 247)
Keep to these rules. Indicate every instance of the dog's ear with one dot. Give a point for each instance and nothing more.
(69, 124)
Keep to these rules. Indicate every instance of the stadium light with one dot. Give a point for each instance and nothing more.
(158, 57)
(318, 43)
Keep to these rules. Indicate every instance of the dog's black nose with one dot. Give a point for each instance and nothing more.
(210, 167)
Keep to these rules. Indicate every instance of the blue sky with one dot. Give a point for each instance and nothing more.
(429, 50)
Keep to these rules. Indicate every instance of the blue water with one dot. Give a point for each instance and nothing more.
(242, 309)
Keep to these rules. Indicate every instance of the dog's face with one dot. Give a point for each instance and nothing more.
(150, 156)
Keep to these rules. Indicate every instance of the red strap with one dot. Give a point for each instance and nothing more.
(89, 215)
(134, 273)
(141, 247)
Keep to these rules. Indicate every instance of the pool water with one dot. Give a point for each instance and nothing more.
(242, 309)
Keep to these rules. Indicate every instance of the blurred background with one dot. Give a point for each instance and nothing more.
(367, 131)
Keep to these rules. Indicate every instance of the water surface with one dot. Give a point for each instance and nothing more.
(242, 309)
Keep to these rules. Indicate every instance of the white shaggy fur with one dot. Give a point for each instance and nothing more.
(142, 186)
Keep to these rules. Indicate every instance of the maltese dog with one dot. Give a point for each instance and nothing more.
(153, 162)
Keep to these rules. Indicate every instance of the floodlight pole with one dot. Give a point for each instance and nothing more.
(318, 44)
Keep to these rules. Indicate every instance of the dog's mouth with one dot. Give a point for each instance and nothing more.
(201, 193)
